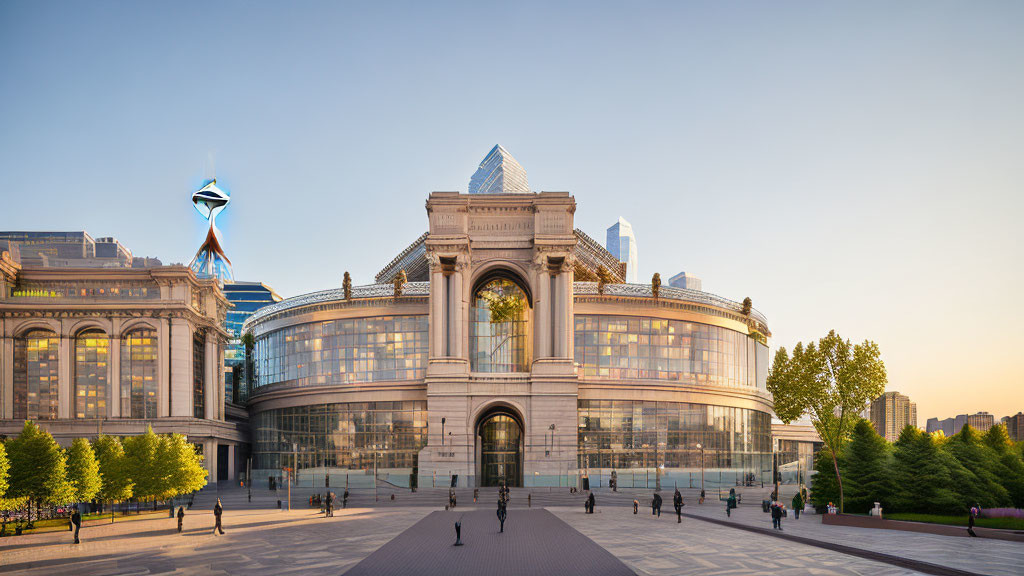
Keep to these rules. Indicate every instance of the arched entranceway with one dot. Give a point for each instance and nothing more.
(499, 437)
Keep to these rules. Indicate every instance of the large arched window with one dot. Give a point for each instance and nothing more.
(138, 374)
(36, 364)
(92, 349)
(500, 328)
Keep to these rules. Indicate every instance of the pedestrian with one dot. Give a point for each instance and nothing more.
(701, 496)
(181, 518)
(250, 494)
(636, 505)
(76, 519)
(677, 501)
(344, 499)
(798, 505)
(656, 505)
(329, 503)
(730, 503)
(502, 513)
(218, 510)
(777, 515)
(590, 502)
(476, 494)
(970, 522)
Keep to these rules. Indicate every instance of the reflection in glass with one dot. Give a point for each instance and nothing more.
(138, 374)
(500, 331)
(36, 365)
(92, 349)
(501, 444)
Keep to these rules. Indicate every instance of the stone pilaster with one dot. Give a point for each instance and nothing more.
(181, 368)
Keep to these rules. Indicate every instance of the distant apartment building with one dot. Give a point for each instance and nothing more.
(981, 422)
(1015, 426)
(686, 281)
(891, 413)
(73, 250)
(622, 244)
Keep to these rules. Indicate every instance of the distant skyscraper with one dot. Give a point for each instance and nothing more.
(685, 280)
(499, 173)
(890, 414)
(622, 244)
(1015, 426)
(246, 298)
(981, 422)
(210, 261)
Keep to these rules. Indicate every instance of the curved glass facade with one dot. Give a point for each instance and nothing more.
(645, 348)
(36, 368)
(343, 351)
(623, 435)
(347, 436)
(92, 349)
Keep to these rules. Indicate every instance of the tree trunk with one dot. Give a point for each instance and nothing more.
(839, 479)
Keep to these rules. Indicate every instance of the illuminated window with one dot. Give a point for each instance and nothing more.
(500, 328)
(139, 374)
(92, 349)
(36, 365)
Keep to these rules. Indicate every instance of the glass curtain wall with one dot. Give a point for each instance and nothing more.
(660, 440)
(36, 366)
(500, 328)
(642, 348)
(139, 374)
(199, 375)
(92, 351)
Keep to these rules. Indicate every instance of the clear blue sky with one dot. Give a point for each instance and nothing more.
(855, 166)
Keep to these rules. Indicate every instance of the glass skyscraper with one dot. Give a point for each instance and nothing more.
(246, 298)
(622, 244)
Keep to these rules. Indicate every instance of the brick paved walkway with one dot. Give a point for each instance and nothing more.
(534, 542)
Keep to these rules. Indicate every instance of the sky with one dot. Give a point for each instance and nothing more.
(854, 166)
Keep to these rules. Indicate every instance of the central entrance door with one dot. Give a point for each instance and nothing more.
(501, 449)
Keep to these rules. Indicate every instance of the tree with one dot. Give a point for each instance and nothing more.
(824, 488)
(147, 472)
(186, 465)
(922, 474)
(868, 461)
(985, 487)
(832, 383)
(115, 485)
(38, 468)
(1009, 464)
(83, 470)
(5, 467)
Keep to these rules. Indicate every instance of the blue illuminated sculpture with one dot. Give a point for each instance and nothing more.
(210, 261)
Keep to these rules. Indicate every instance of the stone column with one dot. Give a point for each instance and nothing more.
(210, 459)
(210, 378)
(458, 314)
(231, 462)
(542, 313)
(6, 374)
(181, 368)
(163, 373)
(437, 312)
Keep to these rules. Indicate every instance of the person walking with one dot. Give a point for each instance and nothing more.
(218, 510)
(798, 505)
(329, 505)
(970, 522)
(777, 515)
(730, 503)
(181, 518)
(76, 519)
(677, 501)
(590, 502)
(502, 513)
(656, 503)
(636, 505)
(701, 496)
(344, 499)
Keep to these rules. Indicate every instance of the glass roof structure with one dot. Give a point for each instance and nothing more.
(499, 173)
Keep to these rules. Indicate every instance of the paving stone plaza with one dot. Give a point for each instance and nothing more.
(413, 534)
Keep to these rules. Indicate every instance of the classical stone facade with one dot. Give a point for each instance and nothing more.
(501, 367)
(91, 350)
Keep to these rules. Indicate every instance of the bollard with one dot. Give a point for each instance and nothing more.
(458, 532)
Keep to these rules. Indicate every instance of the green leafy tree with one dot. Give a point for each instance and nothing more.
(1009, 464)
(5, 467)
(38, 468)
(922, 474)
(147, 472)
(831, 382)
(868, 461)
(116, 484)
(824, 488)
(83, 470)
(186, 466)
(985, 488)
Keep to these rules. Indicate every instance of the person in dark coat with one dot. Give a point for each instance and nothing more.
(590, 502)
(656, 505)
(701, 495)
(344, 499)
(777, 515)
(636, 505)
(730, 503)
(798, 504)
(502, 513)
(677, 501)
(76, 519)
(970, 522)
(218, 510)
(181, 518)
(329, 503)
